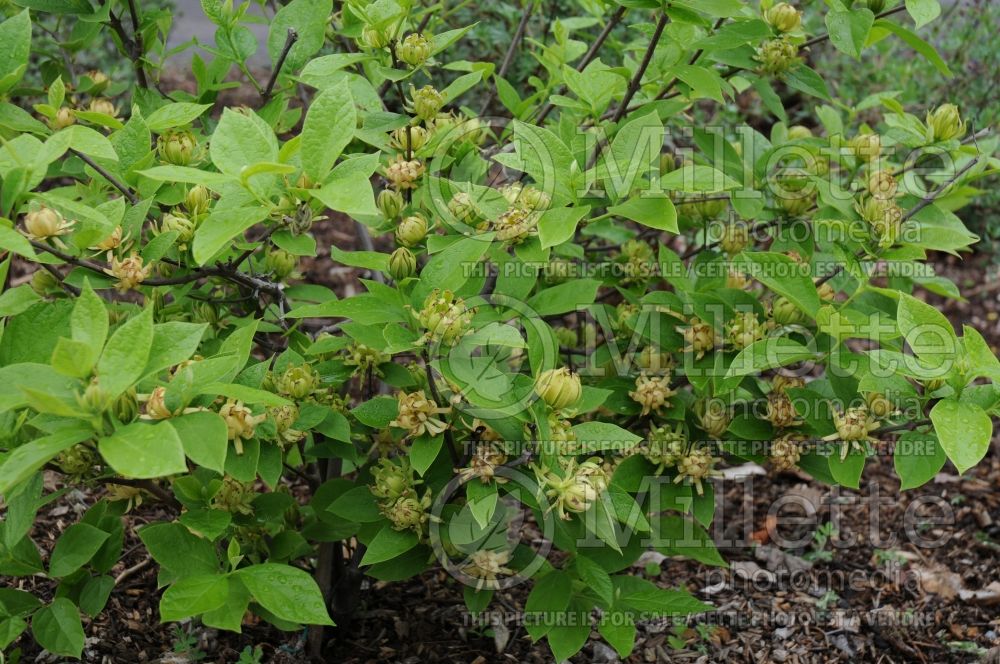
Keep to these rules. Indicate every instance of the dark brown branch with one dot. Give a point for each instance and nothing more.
(508, 57)
(290, 40)
(115, 182)
(588, 56)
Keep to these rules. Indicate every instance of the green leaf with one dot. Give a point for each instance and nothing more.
(619, 631)
(75, 547)
(566, 297)
(328, 128)
(424, 451)
(806, 80)
(220, 227)
(655, 212)
(768, 353)
(125, 354)
(348, 189)
(178, 550)
(188, 175)
(597, 436)
(309, 20)
(89, 322)
(22, 463)
(964, 431)
(697, 179)
(144, 451)
(13, 241)
(634, 154)
(558, 225)
(849, 29)
(549, 598)
(595, 577)
(193, 595)
(917, 44)
(917, 457)
(240, 140)
(925, 329)
(648, 600)
(451, 268)
(205, 438)
(58, 629)
(287, 592)
(389, 543)
(923, 11)
(785, 277)
(15, 35)
(377, 412)
(175, 115)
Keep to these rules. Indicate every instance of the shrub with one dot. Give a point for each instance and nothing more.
(570, 315)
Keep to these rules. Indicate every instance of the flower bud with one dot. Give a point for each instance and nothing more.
(487, 566)
(944, 123)
(566, 337)
(94, 398)
(875, 6)
(156, 405)
(298, 382)
(665, 446)
(651, 392)
(44, 283)
(882, 184)
(653, 359)
(234, 496)
(744, 329)
(516, 225)
(777, 56)
(782, 383)
(699, 336)
(409, 139)
(390, 203)
(866, 146)
(103, 106)
(282, 264)
(98, 81)
(373, 37)
(285, 418)
(427, 102)
(408, 513)
(780, 411)
(786, 451)
(130, 272)
(45, 222)
(241, 423)
(365, 358)
(696, 467)
(411, 230)
(112, 241)
(177, 147)
(799, 132)
(414, 49)
(64, 118)
(714, 418)
(402, 264)
(463, 208)
(785, 312)
(418, 415)
(707, 208)
(559, 388)
(735, 238)
(392, 480)
(736, 279)
(126, 406)
(403, 174)
(783, 17)
(184, 226)
(445, 317)
(77, 460)
(879, 405)
(197, 200)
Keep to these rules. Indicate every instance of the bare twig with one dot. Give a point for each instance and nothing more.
(290, 39)
(115, 182)
(508, 57)
(588, 56)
